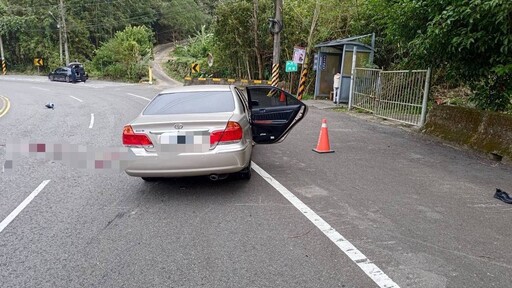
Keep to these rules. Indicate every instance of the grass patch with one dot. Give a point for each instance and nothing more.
(362, 111)
(340, 109)
(307, 97)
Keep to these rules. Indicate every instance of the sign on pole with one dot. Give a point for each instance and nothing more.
(38, 62)
(195, 67)
(291, 66)
(299, 54)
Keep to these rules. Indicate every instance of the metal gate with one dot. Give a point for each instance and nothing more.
(397, 95)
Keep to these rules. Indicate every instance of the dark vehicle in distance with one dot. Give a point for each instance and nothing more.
(80, 73)
(74, 72)
(62, 74)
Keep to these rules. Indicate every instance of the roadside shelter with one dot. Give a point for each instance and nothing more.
(336, 56)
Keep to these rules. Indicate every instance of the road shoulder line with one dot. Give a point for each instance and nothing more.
(374, 272)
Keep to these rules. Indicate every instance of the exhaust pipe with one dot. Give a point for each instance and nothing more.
(214, 177)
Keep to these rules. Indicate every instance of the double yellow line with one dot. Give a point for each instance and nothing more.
(6, 104)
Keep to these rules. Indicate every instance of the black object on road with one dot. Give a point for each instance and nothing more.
(503, 196)
(49, 105)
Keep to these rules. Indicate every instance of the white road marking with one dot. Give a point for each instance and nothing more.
(79, 100)
(139, 96)
(377, 275)
(22, 206)
(92, 121)
(39, 88)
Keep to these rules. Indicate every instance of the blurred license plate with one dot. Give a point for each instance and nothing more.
(185, 141)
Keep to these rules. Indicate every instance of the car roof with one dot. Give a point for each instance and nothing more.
(197, 88)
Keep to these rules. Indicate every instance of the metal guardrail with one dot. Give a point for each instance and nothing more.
(398, 95)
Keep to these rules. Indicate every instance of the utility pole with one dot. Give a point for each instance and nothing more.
(63, 26)
(2, 59)
(276, 26)
(60, 42)
(60, 36)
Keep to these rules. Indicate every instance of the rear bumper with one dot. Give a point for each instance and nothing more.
(223, 159)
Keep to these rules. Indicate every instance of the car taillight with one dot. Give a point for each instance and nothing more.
(131, 138)
(231, 134)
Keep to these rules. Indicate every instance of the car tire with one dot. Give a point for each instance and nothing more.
(246, 173)
(149, 179)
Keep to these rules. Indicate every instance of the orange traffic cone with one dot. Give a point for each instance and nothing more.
(323, 140)
(282, 98)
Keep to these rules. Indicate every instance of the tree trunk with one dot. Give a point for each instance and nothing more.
(249, 76)
(256, 39)
(305, 66)
(239, 72)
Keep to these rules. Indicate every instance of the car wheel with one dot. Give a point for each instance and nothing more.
(149, 179)
(245, 174)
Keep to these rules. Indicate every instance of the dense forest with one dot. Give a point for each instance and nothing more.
(467, 43)
(30, 28)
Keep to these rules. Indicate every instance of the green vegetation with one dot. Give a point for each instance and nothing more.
(30, 28)
(194, 51)
(126, 56)
(467, 43)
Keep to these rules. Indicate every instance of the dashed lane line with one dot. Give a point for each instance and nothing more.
(42, 89)
(134, 95)
(77, 99)
(92, 121)
(374, 272)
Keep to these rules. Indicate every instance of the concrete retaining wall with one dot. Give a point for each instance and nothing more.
(488, 132)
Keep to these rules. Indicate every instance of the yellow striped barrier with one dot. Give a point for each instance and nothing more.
(191, 81)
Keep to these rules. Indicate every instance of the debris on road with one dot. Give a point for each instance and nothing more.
(503, 196)
(50, 106)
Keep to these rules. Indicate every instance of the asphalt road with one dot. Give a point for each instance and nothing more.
(421, 211)
(161, 53)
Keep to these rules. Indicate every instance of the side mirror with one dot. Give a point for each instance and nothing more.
(255, 103)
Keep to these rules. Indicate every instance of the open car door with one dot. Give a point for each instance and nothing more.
(274, 112)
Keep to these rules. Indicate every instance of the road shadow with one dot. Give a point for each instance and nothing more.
(193, 188)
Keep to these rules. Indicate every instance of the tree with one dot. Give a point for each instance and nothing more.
(127, 55)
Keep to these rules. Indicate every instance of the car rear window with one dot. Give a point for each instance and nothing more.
(191, 102)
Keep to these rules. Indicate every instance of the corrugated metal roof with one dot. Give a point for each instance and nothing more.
(342, 42)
